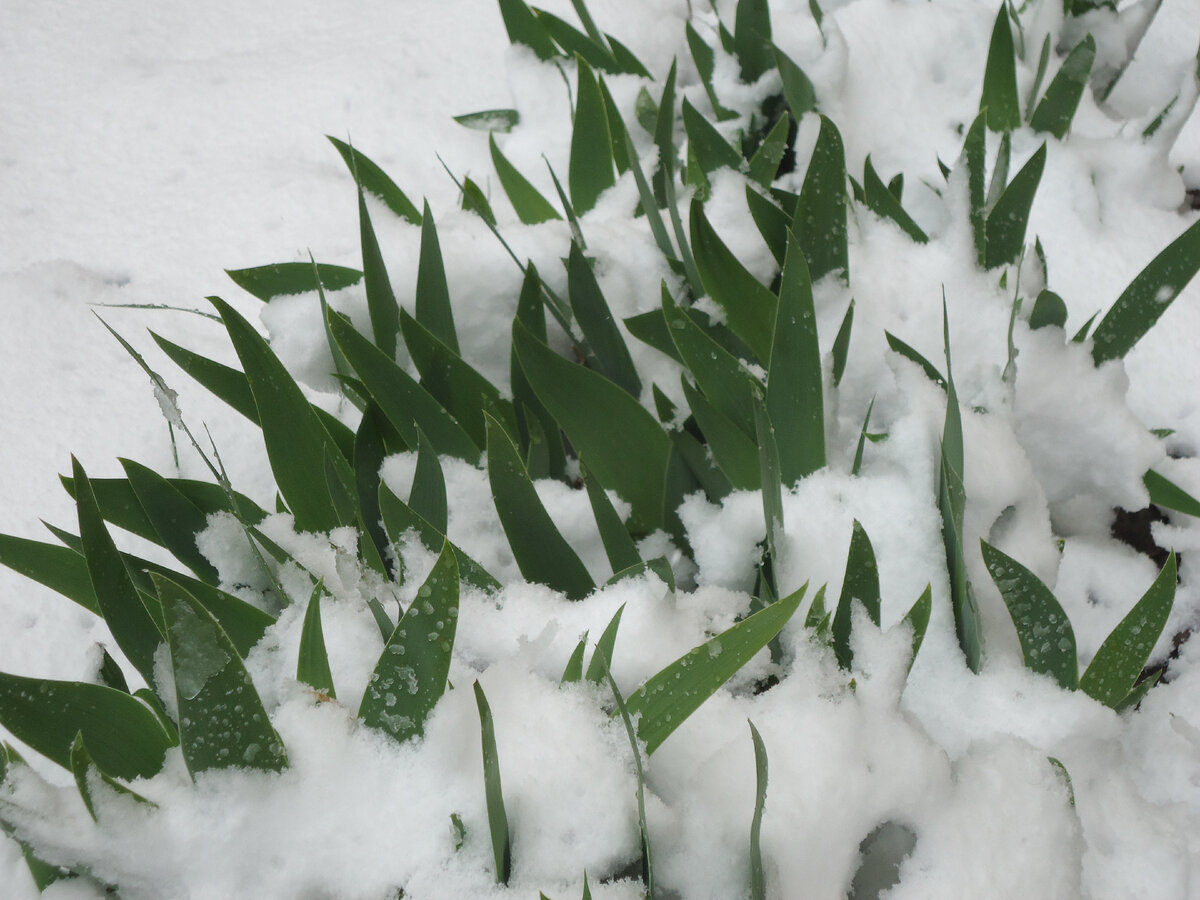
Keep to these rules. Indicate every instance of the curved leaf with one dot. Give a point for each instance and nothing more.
(265, 282)
(861, 584)
(1057, 109)
(373, 179)
(1008, 219)
(528, 203)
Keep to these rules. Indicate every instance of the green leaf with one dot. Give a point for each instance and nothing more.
(381, 300)
(862, 440)
(312, 666)
(643, 828)
(476, 201)
(575, 43)
(490, 120)
(428, 495)
(769, 470)
(265, 282)
(1147, 297)
(726, 384)
(89, 778)
(1115, 668)
(608, 353)
(133, 627)
(758, 877)
(711, 149)
(523, 27)
(382, 620)
(1043, 62)
(541, 552)
(772, 222)
(220, 380)
(884, 204)
(673, 694)
(626, 61)
(705, 60)
(410, 676)
(374, 180)
(918, 618)
(458, 387)
(573, 673)
(797, 89)
(530, 206)
(1167, 494)
(1047, 639)
(59, 568)
(999, 98)
(534, 419)
(295, 438)
(1049, 309)
(398, 518)
(433, 296)
(765, 163)
(1008, 219)
(175, 518)
(974, 150)
(602, 655)
(912, 354)
(794, 388)
(591, 167)
(622, 552)
(752, 39)
(222, 722)
(493, 791)
(605, 425)
(749, 307)
(820, 220)
(1057, 109)
(841, 344)
(405, 404)
(369, 452)
(124, 736)
(735, 452)
(861, 584)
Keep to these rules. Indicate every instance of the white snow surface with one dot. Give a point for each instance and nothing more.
(146, 146)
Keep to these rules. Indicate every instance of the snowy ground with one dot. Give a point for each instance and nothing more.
(144, 147)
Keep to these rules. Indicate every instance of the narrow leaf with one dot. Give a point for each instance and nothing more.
(530, 206)
(773, 223)
(541, 552)
(710, 148)
(794, 387)
(771, 479)
(373, 179)
(1008, 219)
(312, 667)
(175, 518)
(1167, 494)
(265, 282)
(609, 356)
(89, 778)
(758, 877)
(974, 149)
(1115, 668)
(523, 27)
(1147, 297)
(493, 791)
(573, 673)
(860, 584)
(669, 697)
(765, 162)
(999, 98)
(433, 295)
(1047, 638)
(59, 568)
(918, 618)
(797, 89)
(622, 552)
(884, 203)
(490, 120)
(820, 220)
(398, 518)
(752, 38)
(591, 167)
(222, 722)
(1057, 109)
(124, 736)
(643, 828)
(602, 655)
(841, 344)
(410, 676)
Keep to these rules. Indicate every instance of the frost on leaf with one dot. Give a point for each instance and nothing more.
(197, 651)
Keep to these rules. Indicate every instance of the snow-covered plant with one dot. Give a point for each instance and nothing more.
(661, 418)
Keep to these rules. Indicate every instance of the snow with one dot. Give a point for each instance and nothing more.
(147, 147)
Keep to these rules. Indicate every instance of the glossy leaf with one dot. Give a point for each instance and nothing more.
(222, 722)
(265, 282)
(541, 552)
(820, 220)
(375, 181)
(765, 162)
(999, 99)
(1148, 296)
(591, 168)
(605, 425)
(124, 736)
(603, 654)
(1115, 668)
(410, 675)
(860, 584)
(1057, 109)
(176, 519)
(666, 699)
(493, 790)
(841, 344)
(1047, 638)
(794, 385)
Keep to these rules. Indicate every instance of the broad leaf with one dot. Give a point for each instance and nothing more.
(528, 203)
(820, 220)
(999, 99)
(1008, 219)
(265, 282)
(752, 39)
(1057, 109)
(490, 120)
(591, 168)
(523, 27)
(885, 204)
